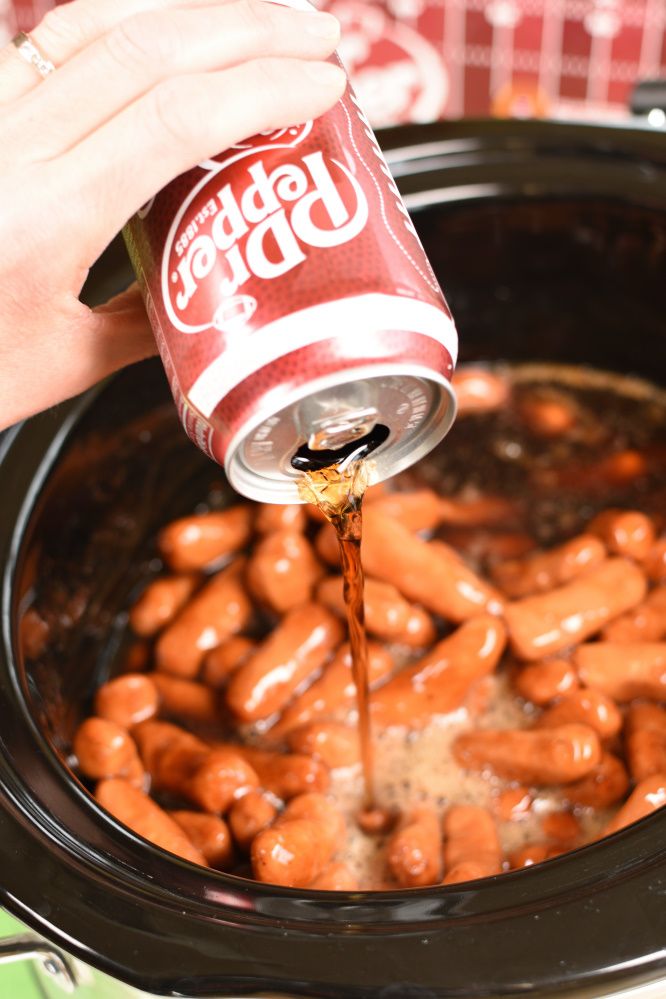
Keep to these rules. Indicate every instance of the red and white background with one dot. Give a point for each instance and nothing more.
(419, 60)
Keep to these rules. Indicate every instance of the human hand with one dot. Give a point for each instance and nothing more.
(144, 90)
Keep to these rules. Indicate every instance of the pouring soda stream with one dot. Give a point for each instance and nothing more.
(306, 340)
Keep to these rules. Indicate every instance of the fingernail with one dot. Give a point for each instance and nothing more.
(325, 74)
(322, 25)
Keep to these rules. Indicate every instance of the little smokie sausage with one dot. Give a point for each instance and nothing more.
(478, 511)
(196, 542)
(334, 689)
(624, 532)
(220, 779)
(335, 744)
(296, 649)
(546, 624)
(216, 613)
(533, 756)
(387, 614)
(104, 749)
(605, 785)
(183, 765)
(297, 848)
(290, 854)
(563, 827)
(127, 700)
(545, 570)
(283, 570)
(335, 877)
(513, 803)
(645, 623)
(645, 740)
(186, 699)
(655, 562)
(542, 682)
(647, 797)
(160, 602)
(439, 682)
(420, 510)
(533, 853)
(414, 851)
(272, 517)
(224, 660)
(489, 546)
(249, 815)
(209, 834)
(587, 706)
(479, 391)
(471, 844)
(547, 413)
(286, 774)
(154, 737)
(624, 671)
(435, 577)
(140, 813)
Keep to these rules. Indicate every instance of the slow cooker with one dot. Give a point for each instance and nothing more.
(550, 241)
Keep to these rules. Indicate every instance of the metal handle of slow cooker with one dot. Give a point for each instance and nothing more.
(647, 96)
(29, 947)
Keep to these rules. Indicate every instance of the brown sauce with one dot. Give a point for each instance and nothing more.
(552, 481)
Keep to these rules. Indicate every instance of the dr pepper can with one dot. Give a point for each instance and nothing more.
(294, 308)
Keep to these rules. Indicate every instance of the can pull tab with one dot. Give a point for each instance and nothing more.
(333, 433)
(337, 424)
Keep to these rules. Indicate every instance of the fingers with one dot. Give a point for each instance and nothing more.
(65, 31)
(152, 46)
(88, 347)
(179, 123)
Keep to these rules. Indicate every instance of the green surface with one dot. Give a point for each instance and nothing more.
(16, 980)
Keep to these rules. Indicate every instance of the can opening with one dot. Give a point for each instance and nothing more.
(307, 459)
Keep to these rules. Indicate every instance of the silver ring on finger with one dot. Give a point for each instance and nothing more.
(27, 49)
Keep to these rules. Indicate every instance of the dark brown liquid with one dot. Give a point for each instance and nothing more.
(338, 493)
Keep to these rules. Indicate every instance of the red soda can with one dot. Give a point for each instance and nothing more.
(294, 308)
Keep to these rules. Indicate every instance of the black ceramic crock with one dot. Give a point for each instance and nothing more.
(550, 241)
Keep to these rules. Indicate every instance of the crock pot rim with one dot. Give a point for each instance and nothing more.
(645, 835)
